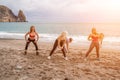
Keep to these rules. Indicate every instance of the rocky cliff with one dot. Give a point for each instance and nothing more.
(21, 16)
(6, 15)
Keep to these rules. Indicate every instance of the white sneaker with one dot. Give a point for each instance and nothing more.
(49, 57)
(65, 58)
(85, 59)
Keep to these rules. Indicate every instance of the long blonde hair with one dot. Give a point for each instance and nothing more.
(31, 29)
(63, 35)
(94, 31)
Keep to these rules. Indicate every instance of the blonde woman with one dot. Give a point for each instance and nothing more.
(94, 37)
(31, 36)
(60, 43)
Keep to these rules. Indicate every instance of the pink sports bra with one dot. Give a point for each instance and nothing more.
(32, 36)
(95, 38)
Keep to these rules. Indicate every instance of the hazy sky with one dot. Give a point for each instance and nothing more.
(67, 10)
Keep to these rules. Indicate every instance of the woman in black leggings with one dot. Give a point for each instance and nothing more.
(32, 37)
(60, 43)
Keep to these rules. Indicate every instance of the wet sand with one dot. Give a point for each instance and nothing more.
(14, 65)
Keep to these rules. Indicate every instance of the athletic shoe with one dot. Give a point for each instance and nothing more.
(65, 58)
(49, 57)
(85, 59)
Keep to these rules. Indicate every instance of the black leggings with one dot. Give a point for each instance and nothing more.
(56, 45)
(33, 41)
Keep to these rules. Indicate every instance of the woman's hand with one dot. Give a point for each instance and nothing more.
(90, 37)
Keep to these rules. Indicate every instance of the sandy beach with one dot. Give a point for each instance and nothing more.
(14, 65)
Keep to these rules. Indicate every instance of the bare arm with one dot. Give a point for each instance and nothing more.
(63, 44)
(101, 41)
(37, 36)
(89, 37)
(101, 38)
(67, 45)
(58, 43)
(26, 35)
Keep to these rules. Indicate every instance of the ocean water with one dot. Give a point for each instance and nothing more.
(78, 31)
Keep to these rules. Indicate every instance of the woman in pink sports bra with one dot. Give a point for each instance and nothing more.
(32, 37)
(94, 37)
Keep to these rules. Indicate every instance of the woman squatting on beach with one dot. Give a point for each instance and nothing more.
(31, 36)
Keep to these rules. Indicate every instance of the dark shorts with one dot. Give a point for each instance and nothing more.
(31, 40)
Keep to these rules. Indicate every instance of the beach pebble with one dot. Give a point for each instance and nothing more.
(18, 67)
(23, 78)
(30, 67)
(46, 78)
